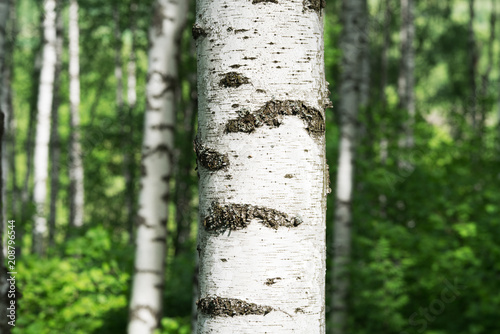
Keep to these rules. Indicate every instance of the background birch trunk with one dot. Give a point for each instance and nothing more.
(156, 166)
(131, 101)
(76, 172)
(4, 327)
(55, 145)
(351, 44)
(44, 106)
(261, 160)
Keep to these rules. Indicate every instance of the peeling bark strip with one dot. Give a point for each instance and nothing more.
(198, 31)
(271, 114)
(315, 5)
(210, 159)
(233, 79)
(238, 216)
(230, 307)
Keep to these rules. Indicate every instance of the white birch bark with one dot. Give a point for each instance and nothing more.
(76, 165)
(351, 44)
(146, 303)
(55, 148)
(261, 161)
(44, 106)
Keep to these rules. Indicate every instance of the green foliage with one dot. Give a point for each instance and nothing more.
(78, 291)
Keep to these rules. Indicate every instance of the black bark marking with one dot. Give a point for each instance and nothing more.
(223, 260)
(230, 307)
(288, 176)
(159, 239)
(271, 281)
(299, 310)
(237, 31)
(238, 216)
(316, 5)
(134, 313)
(210, 159)
(165, 197)
(198, 31)
(233, 79)
(141, 221)
(259, 1)
(236, 66)
(143, 170)
(158, 18)
(272, 113)
(162, 127)
(160, 149)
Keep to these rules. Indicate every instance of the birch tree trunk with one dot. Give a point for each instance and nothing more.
(44, 106)
(4, 16)
(351, 44)
(485, 82)
(169, 17)
(55, 148)
(4, 327)
(261, 159)
(76, 162)
(473, 58)
(384, 143)
(131, 100)
(406, 81)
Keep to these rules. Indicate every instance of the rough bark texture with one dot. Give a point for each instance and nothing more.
(55, 148)
(44, 106)
(145, 307)
(352, 45)
(262, 94)
(76, 162)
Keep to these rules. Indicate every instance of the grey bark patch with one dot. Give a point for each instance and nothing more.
(198, 31)
(259, 1)
(272, 113)
(237, 216)
(315, 5)
(271, 281)
(230, 307)
(233, 79)
(210, 159)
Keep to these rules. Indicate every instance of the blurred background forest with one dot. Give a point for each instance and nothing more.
(417, 228)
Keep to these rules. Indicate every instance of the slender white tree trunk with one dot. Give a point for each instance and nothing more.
(131, 100)
(352, 46)
(76, 162)
(261, 160)
(44, 106)
(55, 148)
(384, 142)
(146, 303)
(473, 58)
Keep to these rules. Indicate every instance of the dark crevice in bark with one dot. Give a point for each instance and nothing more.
(162, 127)
(233, 79)
(230, 307)
(198, 31)
(271, 281)
(272, 113)
(259, 1)
(208, 158)
(238, 216)
(160, 149)
(316, 5)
